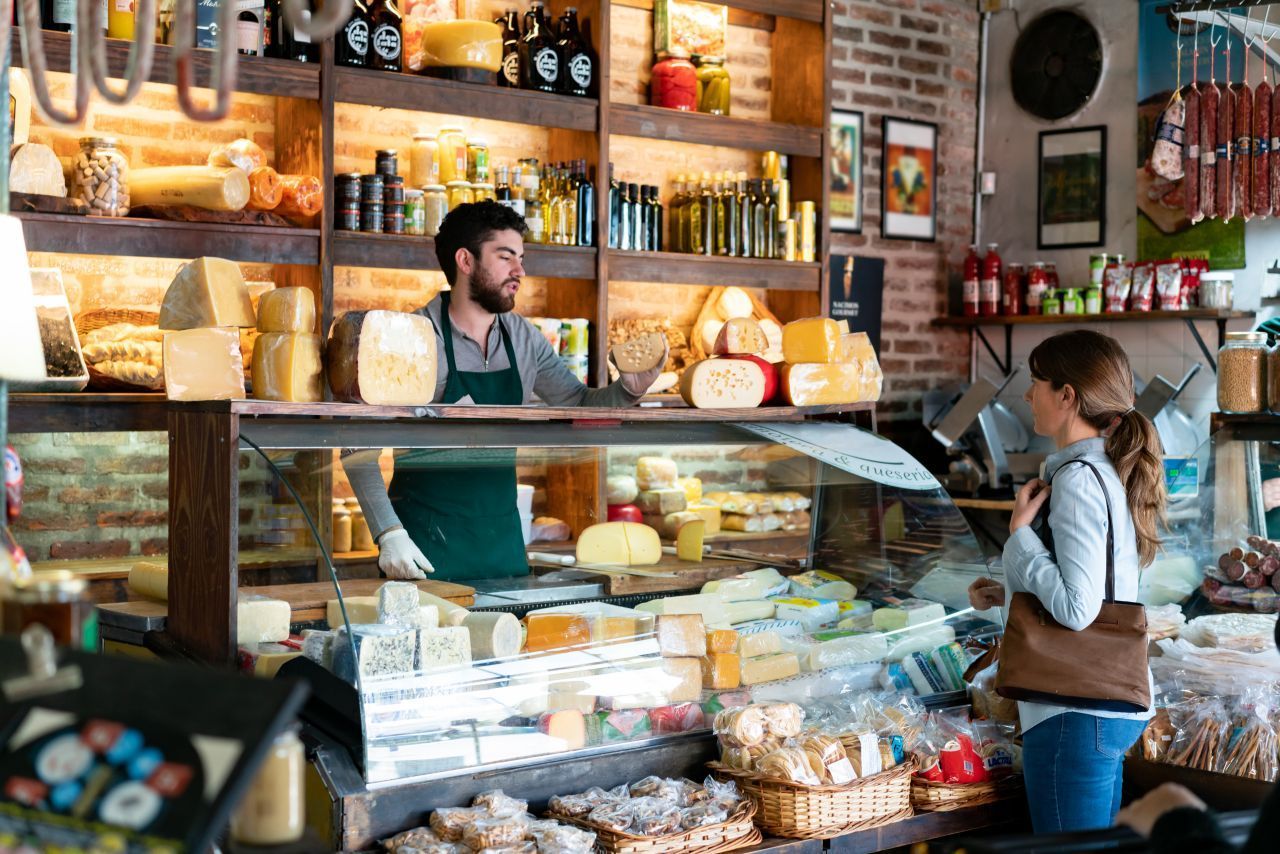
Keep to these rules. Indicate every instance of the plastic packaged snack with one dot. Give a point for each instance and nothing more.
(741, 727)
(654, 817)
(656, 787)
(494, 833)
(790, 764)
(827, 758)
(450, 822)
(418, 837)
(1203, 732)
(616, 815)
(561, 839)
(783, 720)
(499, 804)
(703, 815)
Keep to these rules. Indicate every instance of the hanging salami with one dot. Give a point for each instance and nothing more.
(1191, 155)
(1262, 148)
(1225, 190)
(1243, 168)
(1275, 146)
(1209, 150)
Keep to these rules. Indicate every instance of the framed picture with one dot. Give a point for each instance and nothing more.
(909, 180)
(1072, 194)
(846, 171)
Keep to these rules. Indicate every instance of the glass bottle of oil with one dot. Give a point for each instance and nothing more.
(759, 221)
(732, 226)
(707, 206)
(744, 217)
(656, 217)
(546, 195)
(771, 220)
(569, 205)
(692, 220)
(675, 213)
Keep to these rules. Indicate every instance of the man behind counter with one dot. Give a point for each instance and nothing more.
(460, 520)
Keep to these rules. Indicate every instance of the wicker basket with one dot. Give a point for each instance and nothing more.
(738, 832)
(932, 796)
(91, 320)
(822, 812)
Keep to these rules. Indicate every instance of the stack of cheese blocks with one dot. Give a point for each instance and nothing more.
(739, 375)
(761, 512)
(826, 364)
(286, 353)
(203, 311)
(653, 503)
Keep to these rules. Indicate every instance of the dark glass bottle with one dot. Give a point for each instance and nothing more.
(56, 15)
(770, 220)
(351, 47)
(539, 58)
(745, 233)
(636, 239)
(707, 211)
(644, 213)
(385, 44)
(509, 73)
(657, 218)
(691, 220)
(624, 216)
(586, 207)
(577, 63)
(615, 209)
(732, 217)
(290, 43)
(759, 221)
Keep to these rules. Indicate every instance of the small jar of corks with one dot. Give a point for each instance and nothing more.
(100, 177)
(1242, 373)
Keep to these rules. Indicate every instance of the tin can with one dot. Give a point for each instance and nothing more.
(787, 231)
(347, 187)
(347, 218)
(393, 190)
(371, 187)
(807, 241)
(386, 162)
(574, 335)
(371, 218)
(577, 366)
(57, 599)
(1097, 263)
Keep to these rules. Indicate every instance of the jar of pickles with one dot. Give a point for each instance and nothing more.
(477, 161)
(451, 155)
(484, 193)
(458, 193)
(435, 204)
(100, 177)
(423, 167)
(713, 86)
(673, 83)
(415, 213)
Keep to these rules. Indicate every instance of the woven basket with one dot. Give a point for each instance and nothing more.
(822, 812)
(932, 796)
(91, 320)
(737, 832)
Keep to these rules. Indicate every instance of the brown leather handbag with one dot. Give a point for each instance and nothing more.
(1102, 667)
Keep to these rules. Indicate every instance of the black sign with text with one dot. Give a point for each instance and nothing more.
(857, 290)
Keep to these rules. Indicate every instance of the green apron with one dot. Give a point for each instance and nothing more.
(459, 506)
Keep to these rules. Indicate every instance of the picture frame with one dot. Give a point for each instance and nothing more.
(909, 180)
(1071, 188)
(845, 207)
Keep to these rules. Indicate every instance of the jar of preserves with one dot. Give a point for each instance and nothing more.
(273, 811)
(100, 177)
(59, 601)
(361, 537)
(415, 213)
(483, 193)
(435, 204)
(1037, 284)
(459, 193)
(1015, 276)
(451, 155)
(713, 86)
(423, 167)
(478, 161)
(341, 527)
(673, 83)
(1242, 372)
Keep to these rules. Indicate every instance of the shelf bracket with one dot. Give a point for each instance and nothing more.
(1204, 349)
(1008, 348)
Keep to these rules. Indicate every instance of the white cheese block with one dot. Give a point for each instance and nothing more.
(398, 604)
(207, 292)
(723, 384)
(451, 613)
(758, 644)
(812, 613)
(621, 489)
(361, 610)
(35, 169)
(655, 473)
(493, 634)
(738, 589)
(261, 620)
(376, 650)
(385, 358)
(214, 188)
(203, 364)
(850, 649)
(447, 647)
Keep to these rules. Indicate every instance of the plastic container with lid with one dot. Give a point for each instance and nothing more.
(1052, 303)
(435, 204)
(713, 86)
(273, 811)
(100, 177)
(451, 154)
(1242, 372)
(673, 83)
(1217, 290)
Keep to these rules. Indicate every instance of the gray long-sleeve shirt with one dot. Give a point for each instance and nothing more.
(541, 373)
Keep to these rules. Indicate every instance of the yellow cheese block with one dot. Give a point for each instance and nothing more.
(361, 610)
(621, 543)
(769, 668)
(710, 514)
(692, 487)
(813, 339)
(287, 310)
(655, 473)
(462, 44)
(816, 384)
(662, 501)
(689, 538)
(758, 644)
(682, 635)
(286, 366)
(684, 683)
(203, 364)
(722, 640)
(556, 631)
(150, 580)
(721, 671)
(267, 662)
(207, 292)
(856, 347)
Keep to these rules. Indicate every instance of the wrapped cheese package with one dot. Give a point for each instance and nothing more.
(242, 153)
(386, 358)
(287, 310)
(203, 364)
(207, 292)
(265, 189)
(286, 366)
(215, 188)
(817, 384)
(300, 196)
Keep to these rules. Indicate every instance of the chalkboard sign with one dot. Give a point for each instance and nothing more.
(857, 289)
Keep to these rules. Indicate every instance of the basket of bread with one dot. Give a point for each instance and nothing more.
(803, 779)
(662, 815)
(123, 349)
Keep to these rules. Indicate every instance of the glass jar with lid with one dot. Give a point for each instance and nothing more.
(1242, 372)
(435, 204)
(483, 193)
(341, 527)
(458, 193)
(477, 161)
(423, 166)
(673, 83)
(415, 213)
(100, 177)
(273, 810)
(451, 155)
(713, 86)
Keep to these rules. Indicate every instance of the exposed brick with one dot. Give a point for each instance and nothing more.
(933, 48)
(893, 40)
(917, 66)
(154, 546)
(870, 99)
(872, 15)
(891, 81)
(872, 57)
(78, 550)
(920, 25)
(134, 465)
(929, 89)
(95, 494)
(133, 519)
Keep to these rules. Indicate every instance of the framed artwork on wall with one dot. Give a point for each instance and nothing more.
(846, 171)
(1072, 192)
(909, 180)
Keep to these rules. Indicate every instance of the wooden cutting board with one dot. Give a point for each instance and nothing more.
(690, 575)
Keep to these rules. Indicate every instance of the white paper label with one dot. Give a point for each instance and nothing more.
(870, 747)
(842, 772)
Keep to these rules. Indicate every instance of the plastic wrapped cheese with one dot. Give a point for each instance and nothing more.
(723, 384)
(286, 366)
(812, 339)
(203, 364)
(242, 153)
(287, 310)
(721, 671)
(768, 668)
(265, 189)
(662, 501)
(385, 358)
(546, 632)
(215, 188)
(207, 292)
(150, 580)
(682, 635)
(822, 585)
(494, 634)
(300, 196)
(692, 487)
(819, 384)
(462, 44)
(832, 649)
(684, 683)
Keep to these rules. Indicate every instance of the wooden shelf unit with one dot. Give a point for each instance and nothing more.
(354, 249)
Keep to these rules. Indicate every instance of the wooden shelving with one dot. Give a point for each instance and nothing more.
(153, 238)
(678, 268)
(801, 10)
(353, 249)
(86, 412)
(1112, 317)
(257, 75)
(428, 94)
(702, 129)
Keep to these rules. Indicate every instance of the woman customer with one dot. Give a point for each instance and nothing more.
(1082, 397)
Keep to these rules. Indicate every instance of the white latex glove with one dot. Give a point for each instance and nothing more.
(638, 383)
(399, 558)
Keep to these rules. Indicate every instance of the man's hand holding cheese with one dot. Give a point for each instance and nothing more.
(461, 521)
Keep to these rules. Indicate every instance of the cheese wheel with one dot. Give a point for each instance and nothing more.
(723, 384)
(207, 292)
(287, 310)
(215, 188)
(621, 489)
(286, 366)
(740, 335)
(386, 358)
(493, 634)
(150, 580)
(640, 354)
(735, 302)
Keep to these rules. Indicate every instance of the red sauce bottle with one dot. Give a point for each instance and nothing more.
(972, 273)
(1015, 282)
(989, 284)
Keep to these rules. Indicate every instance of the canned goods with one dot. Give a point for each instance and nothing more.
(574, 335)
(385, 161)
(371, 219)
(347, 218)
(347, 187)
(577, 366)
(393, 191)
(393, 223)
(1097, 263)
(371, 187)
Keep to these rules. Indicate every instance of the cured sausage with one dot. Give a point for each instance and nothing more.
(1262, 149)
(1209, 150)
(1191, 156)
(1225, 143)
(1275, 146)
(1242, 169)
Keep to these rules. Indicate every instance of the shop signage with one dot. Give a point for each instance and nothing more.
(857, 291)
(851, 449)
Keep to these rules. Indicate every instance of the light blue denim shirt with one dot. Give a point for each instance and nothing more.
(1072, 587)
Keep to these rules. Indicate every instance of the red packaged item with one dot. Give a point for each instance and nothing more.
(989, 285)
(1015, 279)
(1117, 279)
(674, 81)
(960, 762)
(1142, 288)
(1051, 273)
(682, 717)
(972, 274)
(1169, 285)
(1191, 147)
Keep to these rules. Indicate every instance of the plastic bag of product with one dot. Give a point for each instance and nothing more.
(1157, 737)
(656, 787)
(417, 837)
(265, 189)
(562, 839)
(1251, 752)
(486, 833)
(827, 758)
(301, 196)
(703, 815)
(1142, 287)
(783, 720)
(1166, 154)
(1117, 281)
(727, 793)
(500, 805)
(654, 817)
(450, 822)
(1203, 730)
(790, 764)
(741, 727)
(1169, 285)
(614, 815)
(242, 153)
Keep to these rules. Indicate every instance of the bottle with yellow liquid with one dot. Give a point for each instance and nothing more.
(120, 19)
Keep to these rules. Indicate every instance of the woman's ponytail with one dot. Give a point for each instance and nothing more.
(1135, 450)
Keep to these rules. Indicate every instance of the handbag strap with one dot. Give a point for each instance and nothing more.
(1106, 497)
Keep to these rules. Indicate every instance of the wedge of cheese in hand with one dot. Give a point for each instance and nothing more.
(619, 543)
(812, 339)
(286, 366)
(207, 292)
(385, 358)
(640, 354)
(203, 364)
(723, 384)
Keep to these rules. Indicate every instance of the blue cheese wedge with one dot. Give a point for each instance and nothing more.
(376, 650)
(447, 647)
(398, 603)
(317, 645)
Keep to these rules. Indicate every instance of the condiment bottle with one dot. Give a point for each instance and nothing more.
(969, 292)
(1011, 298)
(1051, 304)
(1071, 302)
(273, 811)
(989, 284)
(1037, 284)
(1093, 301)
(341, 527)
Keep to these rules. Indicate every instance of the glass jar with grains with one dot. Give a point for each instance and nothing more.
(100, 177)
(1242, 373)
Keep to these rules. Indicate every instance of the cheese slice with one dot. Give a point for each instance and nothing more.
(723, 384)
(818, 384)
(769, 668)
(640, 354)
(203, 364)
(207, 292)
(813, 339)
(684, 683)
(619, 543)
(287, 310)
(740, 335)
(385, 358)
(150, 580)
(689, 539)
(286, 366)
(261, 620)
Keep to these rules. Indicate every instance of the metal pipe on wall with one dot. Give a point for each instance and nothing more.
(983, 29)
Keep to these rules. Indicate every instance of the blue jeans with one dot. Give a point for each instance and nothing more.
(1073, 765)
